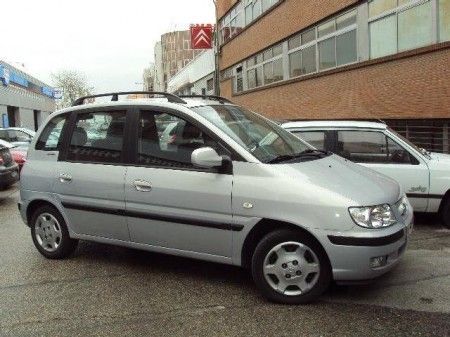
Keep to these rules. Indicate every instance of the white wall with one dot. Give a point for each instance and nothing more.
(196, 70)
(26, 118)
(3, 111)
(158, 79)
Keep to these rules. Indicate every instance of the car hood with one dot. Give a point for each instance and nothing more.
(336, 177)
(439, 161)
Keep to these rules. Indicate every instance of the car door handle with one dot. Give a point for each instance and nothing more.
(65, 178)
(142, 185)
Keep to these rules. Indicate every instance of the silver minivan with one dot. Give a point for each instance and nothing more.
(232, 188)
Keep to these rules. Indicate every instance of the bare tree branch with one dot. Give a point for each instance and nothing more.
(73, 84)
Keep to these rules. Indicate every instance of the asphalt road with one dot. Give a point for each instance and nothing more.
(113, 291)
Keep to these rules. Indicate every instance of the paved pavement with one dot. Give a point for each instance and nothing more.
(113, 291)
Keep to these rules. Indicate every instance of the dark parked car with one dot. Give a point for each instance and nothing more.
(9, 170)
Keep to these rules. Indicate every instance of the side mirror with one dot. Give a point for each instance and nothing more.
(206, 157)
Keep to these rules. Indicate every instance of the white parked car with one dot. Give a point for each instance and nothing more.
(424, 176)
(17, 136)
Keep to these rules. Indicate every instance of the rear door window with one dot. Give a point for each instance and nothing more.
(97, 137)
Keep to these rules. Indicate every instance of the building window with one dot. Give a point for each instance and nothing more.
(266, 67)
(239, 80)
(399, 25)
(210, 84)
(383, 40)
(444, 20)
(334, 40)
(242, 15)
(393, 26)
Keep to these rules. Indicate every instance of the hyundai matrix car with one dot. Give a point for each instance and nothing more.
(424, 176)
(232, 187)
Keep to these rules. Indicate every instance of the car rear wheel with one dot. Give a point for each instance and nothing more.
(445, 213)
(290, 267)
(50, 235)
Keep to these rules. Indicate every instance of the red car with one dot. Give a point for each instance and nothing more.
(19, 155)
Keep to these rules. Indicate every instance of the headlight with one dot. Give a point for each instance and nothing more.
(373, 217)
(403, 207)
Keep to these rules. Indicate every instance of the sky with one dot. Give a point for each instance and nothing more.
(111, 42)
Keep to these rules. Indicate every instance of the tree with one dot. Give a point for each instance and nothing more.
(73, 85)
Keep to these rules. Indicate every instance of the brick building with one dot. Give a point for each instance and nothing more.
(172, 53)
(341, 59)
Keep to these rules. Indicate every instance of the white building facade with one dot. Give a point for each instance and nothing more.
(196, 78)
(24, 100)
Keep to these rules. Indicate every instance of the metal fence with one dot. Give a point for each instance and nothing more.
(430, 134)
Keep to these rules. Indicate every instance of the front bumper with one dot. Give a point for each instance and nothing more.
(9, 175)
(350, 256)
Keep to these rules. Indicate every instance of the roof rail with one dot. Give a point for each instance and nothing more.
(373, 120)
(210, 97)
(115, 96)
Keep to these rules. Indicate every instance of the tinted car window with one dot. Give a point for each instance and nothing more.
(97, 137)
(370, 147)
(315, 138)
(173, 149)
(49, 140)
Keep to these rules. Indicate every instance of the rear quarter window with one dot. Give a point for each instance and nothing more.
(50, 138)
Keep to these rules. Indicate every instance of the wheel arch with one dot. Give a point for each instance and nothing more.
(35, 204)
(444, 199)
(264, 227)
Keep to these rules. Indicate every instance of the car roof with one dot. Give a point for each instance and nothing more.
(17, 129)
(335, 124)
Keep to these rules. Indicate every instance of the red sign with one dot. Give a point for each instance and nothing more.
(202, 36)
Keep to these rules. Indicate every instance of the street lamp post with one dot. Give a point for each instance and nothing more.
(216, 54)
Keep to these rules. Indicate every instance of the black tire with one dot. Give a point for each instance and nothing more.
(275, 238)
(66, 245)
(445, 213)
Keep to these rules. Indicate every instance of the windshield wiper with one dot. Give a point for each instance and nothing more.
(305, 153)
(315, 152)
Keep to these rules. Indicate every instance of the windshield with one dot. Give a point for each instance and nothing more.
(262, 138)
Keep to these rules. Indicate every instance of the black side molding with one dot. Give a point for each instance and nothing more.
(152, 216)
(424, 196)
(367, 242)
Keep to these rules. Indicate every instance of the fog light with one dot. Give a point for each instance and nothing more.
(377, 262)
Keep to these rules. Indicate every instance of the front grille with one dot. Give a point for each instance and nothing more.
(6, 156)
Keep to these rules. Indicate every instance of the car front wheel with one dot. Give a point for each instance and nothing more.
(290, 267)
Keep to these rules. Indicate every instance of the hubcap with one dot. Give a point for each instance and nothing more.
(291, 268)
(48, 232)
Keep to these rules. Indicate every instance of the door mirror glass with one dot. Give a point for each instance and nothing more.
(206, 157)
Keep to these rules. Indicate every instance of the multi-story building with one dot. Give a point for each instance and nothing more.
(197, 77)
(172, 53)
(341, 59)
(158, 78)
(148, 78)
(24, 100)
